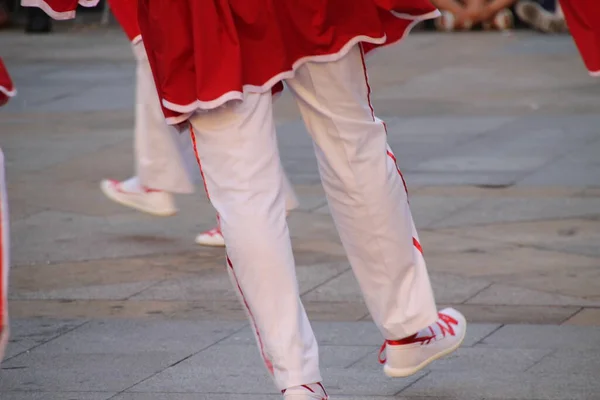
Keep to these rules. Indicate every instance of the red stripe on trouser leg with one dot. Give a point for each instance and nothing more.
(259, 339)
(364, 64)
(393, 157)
(417, 245)
(193, 136)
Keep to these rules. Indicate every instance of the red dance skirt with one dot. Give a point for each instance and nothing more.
(583, 19)
(126, 13)
(204, 53)
(7, 88)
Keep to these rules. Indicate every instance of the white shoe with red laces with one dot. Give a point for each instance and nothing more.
(212, 237)
(314, 391)
(132, 194)
(408, 356)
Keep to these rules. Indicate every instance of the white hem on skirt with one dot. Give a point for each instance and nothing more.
(58, 15)
(188, 109)
(7, 92)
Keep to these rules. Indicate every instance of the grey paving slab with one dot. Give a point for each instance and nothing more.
(442, 178)
(544, 337)
(120, 291)
(130, 337)
(217, 286)
(195, 396)
(512, 209)
(49, 146)
(56, 395)
(82, 373)
(247, 356)
(193, 376)
(84, 238)
(516, 385)
(579, 168)
(426, 210)
(447, 126)
(568, 361)
(454, 289)
(514, 295)
(29, 333)
(359, 334)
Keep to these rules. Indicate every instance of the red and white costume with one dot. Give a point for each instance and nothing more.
(216, 64)
(583, 19)
(7, 90)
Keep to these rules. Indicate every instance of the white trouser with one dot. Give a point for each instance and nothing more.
(4, 259)
(238, 150)
(164, 157)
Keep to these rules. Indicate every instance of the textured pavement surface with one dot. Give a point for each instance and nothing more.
(498, 137)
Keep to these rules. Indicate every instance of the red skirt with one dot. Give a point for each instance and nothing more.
(206, 53)
(583, 19)
(126, 13)
(7, 88)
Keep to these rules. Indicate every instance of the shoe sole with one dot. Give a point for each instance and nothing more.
(209, 244)
(133, 205)
(404, 372)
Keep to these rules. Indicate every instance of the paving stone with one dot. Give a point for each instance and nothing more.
(189, 376)
(76, 373)
(566, 362)
(574, 169)
(579, 236)
(504, 294)
(516, 385)
(501, 263)
(29, 333)
(427, 210)
(57, 395)
(333, 357)
(544, 337)
(586, 317)
(358, 334)
(513, 210)
(107, 292)
(195, 396)
(455, 289)
(577, 282)
(132, 337)
(82, 238)
(517, 314)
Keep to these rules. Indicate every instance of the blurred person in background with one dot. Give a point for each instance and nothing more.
(165, 163)
(7, 90)
(542, 15)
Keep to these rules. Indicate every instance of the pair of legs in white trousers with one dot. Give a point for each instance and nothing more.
(237, 146)
(164, 158)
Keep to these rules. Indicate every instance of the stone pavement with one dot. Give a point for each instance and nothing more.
(498, 137)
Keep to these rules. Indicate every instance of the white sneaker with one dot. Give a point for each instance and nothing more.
(408, 356)
(131, 194)
(314, 391)
(212, 237)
